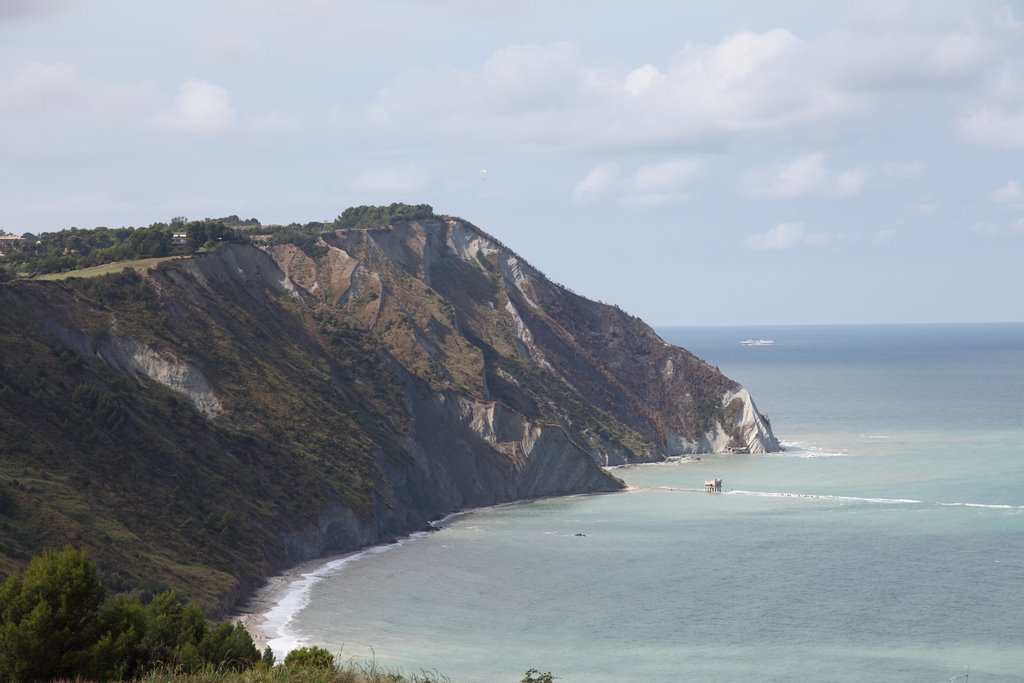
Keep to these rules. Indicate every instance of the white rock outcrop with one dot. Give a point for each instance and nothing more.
(185, 378)
(755, 433)
(134, 357)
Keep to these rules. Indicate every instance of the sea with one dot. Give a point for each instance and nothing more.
(885, 543)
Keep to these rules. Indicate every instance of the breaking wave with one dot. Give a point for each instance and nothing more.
(804, 449)
(826, 497)
(277, 619)
(988, 506)
(817, 496)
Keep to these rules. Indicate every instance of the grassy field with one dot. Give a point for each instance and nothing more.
(109, 268)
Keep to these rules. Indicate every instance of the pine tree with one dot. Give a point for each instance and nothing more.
(49, 616)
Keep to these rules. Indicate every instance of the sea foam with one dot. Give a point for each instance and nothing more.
(277, 620)
(816, 496)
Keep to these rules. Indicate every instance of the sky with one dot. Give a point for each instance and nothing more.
(696, 163)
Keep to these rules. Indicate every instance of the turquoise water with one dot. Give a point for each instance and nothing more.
(886, 543)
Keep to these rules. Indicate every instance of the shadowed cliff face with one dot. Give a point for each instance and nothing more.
(205, 423)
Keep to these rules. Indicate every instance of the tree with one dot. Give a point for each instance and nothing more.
(171, 626)
(54, 624)
(310, 658)
(49, 616)
(118, 652)
(229, 648)
(381, 216)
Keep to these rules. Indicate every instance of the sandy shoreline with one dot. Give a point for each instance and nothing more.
(253, 614)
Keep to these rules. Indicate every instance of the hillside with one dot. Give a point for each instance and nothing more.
(213, 419)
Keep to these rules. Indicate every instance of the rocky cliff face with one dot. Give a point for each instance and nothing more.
(205, 423)
(440, 292)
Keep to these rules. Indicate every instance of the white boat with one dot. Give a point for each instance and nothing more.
(757, 342)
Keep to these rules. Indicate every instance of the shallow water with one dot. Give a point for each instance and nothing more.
(887, 542)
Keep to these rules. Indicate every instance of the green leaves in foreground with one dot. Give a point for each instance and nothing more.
(56, 623)
(310, 658)
(49, 616)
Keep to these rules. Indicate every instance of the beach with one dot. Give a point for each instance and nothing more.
(274, 594)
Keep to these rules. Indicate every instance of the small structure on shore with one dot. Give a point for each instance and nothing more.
(713, 486)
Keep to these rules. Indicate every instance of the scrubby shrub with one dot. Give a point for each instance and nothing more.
(535, 676)
(310, 658)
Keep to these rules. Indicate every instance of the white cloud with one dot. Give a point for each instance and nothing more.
(1010, 193)
(902, 170)
(845, 183)
(521, 94)
(248, 29)
(988, 229)
(595, 184)
(654, 184)
(887, 235)
(905, 59)
(923, 208)
(785, 236)
(640, 80)
(901, 46)
(992, 126)
(406, 178)
(40, 90)
(662, 183)
(547, 95)
(804, 175)
(200, 107)
(44, 88)
(667, 175)
(985, 229)
(551, 95)
(274, 123)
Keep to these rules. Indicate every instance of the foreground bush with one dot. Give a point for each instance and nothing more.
(345, 673)
(310, 658)
(50, 617)
(55, 622)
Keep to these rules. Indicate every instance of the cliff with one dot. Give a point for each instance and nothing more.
(447, 298)
(205, 423)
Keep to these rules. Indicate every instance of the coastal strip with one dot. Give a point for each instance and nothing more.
(268, 614)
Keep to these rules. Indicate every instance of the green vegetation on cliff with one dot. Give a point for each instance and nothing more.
(382, 216)
(76, 249)
(131, 469)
